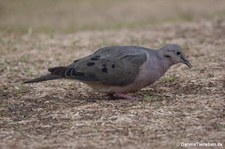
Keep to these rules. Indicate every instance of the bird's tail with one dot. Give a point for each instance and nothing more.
(44, 78)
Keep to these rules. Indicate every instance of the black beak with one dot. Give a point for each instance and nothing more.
(185, 61)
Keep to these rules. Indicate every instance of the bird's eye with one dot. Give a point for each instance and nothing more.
(178, 53)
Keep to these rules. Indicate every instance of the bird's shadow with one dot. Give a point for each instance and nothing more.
(138, 97)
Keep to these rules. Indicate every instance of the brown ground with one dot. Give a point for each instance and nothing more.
(183, 106)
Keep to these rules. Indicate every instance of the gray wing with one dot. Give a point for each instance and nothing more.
(117, 66)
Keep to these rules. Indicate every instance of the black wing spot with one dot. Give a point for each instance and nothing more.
(95, 58)
(104, 65)
(105, 70)
(113, 65)
(90, 63)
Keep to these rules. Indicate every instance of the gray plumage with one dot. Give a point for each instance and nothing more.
(119, 69)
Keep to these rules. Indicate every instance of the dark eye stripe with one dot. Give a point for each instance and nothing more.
(167, 56)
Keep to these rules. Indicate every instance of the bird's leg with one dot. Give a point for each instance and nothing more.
(126, 96)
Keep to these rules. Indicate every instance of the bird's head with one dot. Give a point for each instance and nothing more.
(175, 54)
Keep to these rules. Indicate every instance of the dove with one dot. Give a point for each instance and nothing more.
(119, 70)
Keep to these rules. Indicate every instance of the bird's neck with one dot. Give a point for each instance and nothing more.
(165, 62)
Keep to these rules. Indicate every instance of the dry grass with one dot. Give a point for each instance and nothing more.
(75, 15)
(184, 106)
